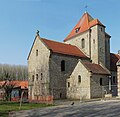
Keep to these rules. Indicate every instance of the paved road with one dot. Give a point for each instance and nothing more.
(109, 108)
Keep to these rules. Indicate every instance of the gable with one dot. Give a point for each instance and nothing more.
(84, 24)
(37, 42)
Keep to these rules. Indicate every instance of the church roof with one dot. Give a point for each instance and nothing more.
(62, 48)
(84, 24)
(96, 68)
(113, 60)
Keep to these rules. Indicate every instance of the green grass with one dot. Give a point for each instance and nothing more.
(6, 107)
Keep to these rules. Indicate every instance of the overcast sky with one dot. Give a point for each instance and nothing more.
(19, 20)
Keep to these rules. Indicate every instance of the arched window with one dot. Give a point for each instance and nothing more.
(62, 65)
(68, 84)
(79, 79)
(41, 76)
(36, 76)
(83, 43)
(101, 82)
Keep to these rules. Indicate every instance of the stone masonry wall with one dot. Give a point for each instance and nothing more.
(97, 90)
(57, 77)
(107, 52)
(38, 65)
(101, 44)
(79, 89)
(94, 45)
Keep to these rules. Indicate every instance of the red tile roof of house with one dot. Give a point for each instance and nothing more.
(22, 84)
(84, 24)
(62, 48)
(96, 68)
(113, 60)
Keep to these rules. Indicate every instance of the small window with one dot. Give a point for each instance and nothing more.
(36, 52)
(79, 79)
(68, 84)
(41, 76)
(83, 43)
(32, 77)
(101, 82)
(101, 29)
(36, 76)
(62, 65)
(93, 41)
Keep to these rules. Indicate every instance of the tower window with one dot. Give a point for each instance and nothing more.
(36, 76)
(94, 41)
(32, 77)
(62, 65)
(101, 82)
(79, 79)
(83, 43)
(68, 84)
(36, 52)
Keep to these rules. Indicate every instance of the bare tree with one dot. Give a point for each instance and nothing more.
(13, 72)
(10, 73)
(8, 87)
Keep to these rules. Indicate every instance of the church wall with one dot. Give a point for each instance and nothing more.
(38, 65)
(79, 90)
(94, 44)
(77, 42)
(101, 45)
(107, 52)
(97, 90)
(58, 77)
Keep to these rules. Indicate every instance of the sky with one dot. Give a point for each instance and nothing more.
(20, 19)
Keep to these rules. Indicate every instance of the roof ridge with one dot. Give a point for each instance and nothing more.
(58, 42)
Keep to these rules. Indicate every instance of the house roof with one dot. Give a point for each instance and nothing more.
(96, 68)
(22, 84)
(113, 60)
(62, 48)
(85, 23)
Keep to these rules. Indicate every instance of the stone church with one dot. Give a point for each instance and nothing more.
(80, 67)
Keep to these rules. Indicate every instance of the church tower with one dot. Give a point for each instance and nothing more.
(89, 36)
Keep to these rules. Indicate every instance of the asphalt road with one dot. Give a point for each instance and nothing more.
(110, 108)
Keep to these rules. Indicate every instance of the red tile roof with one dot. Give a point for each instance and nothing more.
(96, 68)
(22, 84)
(113, 60)
(62, 48)
(85, 23)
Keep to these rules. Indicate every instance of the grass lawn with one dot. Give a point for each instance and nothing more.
(6, 107)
